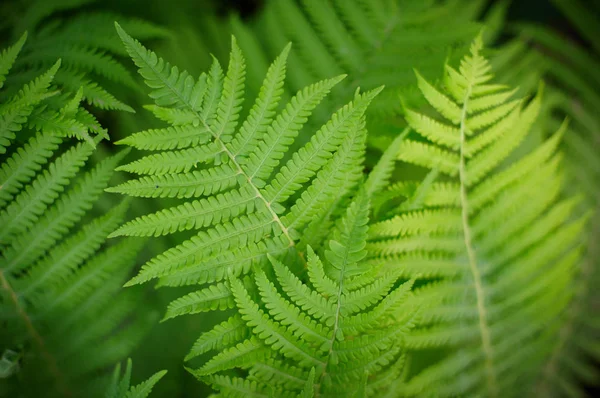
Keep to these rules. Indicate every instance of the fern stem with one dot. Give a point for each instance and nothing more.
(483, 324)
(52, 365)
(259, 195)
(335, 324)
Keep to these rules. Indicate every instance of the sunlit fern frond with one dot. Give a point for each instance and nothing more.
(490, 232)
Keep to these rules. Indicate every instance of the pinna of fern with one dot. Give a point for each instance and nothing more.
(336, 332)
(494, 242)
(59, 281)
(120, 386)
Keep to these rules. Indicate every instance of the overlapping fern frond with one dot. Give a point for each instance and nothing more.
(33, 107)
(374, 42)
(57, 283)
(334, 333)
(491, 232)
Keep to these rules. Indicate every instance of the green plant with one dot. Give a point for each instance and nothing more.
(422, 238)
(119, 387)
(245, 189)
(243, 185)
(374, 42)
(493, 233)
(57, 282)
(87, 45)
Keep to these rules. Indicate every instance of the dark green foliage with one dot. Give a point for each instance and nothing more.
(87, 45)
(120, 387)
(58, 282)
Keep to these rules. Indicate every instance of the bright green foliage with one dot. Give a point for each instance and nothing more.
(572, 360)
(494, 234)
(246, 195)
(120, 387)
(330, 336)
(59, 283)
(453, 257)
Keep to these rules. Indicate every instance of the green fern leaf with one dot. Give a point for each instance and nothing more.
(320, 337)
(59, 281)
(244, 181)
(568, 67)
(503, 247)
(86, 43)
(8, 57)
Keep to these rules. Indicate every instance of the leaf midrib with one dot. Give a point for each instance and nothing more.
(471, 254)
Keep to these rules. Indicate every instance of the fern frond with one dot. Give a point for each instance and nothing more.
(17, 110)
(320, 336)
(59, 282)
(493, 238)
(244, 181)
(88, 46)
(237, 207)
(8, 57)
